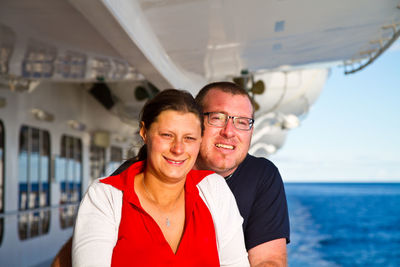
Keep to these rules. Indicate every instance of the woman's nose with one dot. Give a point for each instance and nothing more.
(177, 147)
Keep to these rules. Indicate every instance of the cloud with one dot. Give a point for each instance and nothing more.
(361, 169)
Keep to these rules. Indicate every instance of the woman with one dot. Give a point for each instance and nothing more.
(159, 212)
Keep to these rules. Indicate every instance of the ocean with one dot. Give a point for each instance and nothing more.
(344, 224)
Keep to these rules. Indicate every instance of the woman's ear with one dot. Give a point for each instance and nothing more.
(142, 131)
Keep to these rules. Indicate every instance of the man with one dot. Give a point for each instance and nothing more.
(255, 182)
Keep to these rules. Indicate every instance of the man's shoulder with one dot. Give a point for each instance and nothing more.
(255, 170)
(251, 162)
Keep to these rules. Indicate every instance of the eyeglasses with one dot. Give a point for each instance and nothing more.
(219, 119)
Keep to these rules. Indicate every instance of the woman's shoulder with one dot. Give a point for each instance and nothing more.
(215, 192)
(213, 179)
(103, 197)
(99, 188)
(212, 182)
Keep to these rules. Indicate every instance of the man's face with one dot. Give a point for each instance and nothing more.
(223, 149)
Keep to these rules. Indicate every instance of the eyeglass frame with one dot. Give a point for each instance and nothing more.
(228, 117)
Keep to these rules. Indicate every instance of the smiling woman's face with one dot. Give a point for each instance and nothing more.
(173, 143)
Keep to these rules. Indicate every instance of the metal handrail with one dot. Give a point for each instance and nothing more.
(379, 52)
(45, 208)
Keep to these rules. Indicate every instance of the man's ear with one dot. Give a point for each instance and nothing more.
(142, 131)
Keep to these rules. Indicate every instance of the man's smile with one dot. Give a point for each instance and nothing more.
(225, 146)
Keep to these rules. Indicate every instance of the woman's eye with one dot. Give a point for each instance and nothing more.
(166, 135)
(190, 138)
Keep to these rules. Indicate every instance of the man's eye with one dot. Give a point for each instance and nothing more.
(166, 135)
(244, 122)
(217, 117)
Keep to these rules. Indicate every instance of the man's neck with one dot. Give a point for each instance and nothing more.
(227, 173)
(228, 177)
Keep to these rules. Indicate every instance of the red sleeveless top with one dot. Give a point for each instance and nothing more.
(141, 241)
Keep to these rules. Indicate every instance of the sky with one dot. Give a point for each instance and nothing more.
(352, 132)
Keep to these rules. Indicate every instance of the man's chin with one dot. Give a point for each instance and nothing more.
(222, 167)
(218, 164)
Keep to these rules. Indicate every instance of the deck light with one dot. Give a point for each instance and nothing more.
(42, 115)
(76, 125)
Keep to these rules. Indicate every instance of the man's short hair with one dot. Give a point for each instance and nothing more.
(227, 87)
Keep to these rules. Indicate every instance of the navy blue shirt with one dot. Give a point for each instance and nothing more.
(260, 195)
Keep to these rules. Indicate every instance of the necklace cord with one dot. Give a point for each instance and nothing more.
(167, 220)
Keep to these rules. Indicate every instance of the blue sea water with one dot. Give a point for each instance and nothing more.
(344, 224)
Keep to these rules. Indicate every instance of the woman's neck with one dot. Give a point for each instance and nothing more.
(165, 195)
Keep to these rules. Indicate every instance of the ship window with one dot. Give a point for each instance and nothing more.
(280, 26)
(69, 176)
(115, 159)
(34, 180)
(97, 162)
(1, 179)
(277, 46)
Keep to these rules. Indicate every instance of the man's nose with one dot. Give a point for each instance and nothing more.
(229, 130)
